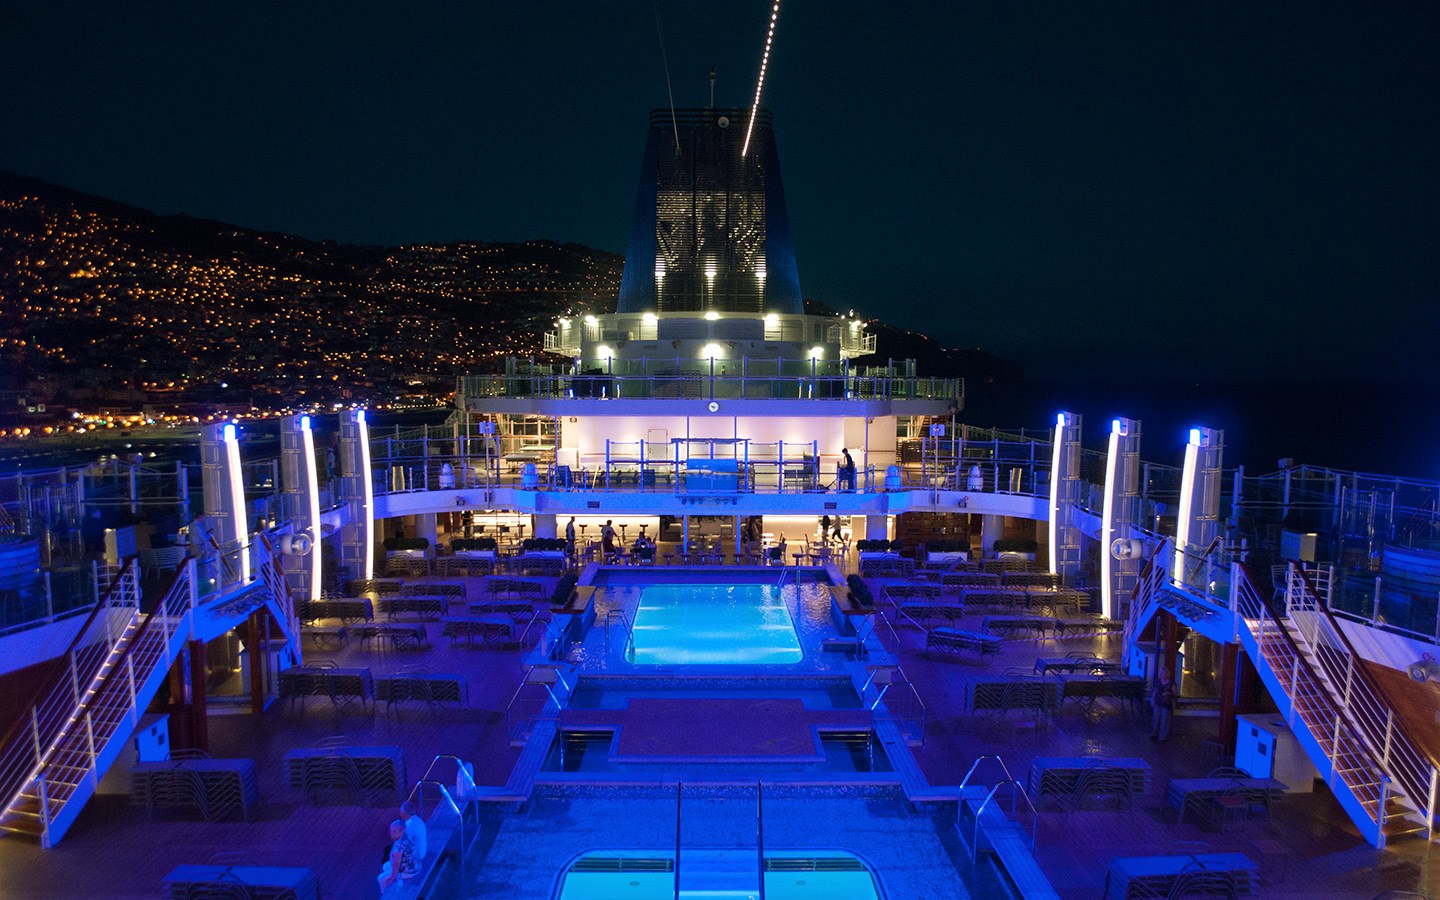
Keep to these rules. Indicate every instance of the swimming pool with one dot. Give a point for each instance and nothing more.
(835, 753)
(714, 624)
(718, 875)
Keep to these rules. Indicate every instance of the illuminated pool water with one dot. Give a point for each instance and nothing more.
(718, 875)
(714, 624)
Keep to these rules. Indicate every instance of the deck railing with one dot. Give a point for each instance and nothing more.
(49, 710)
(1362, 699)
(697, 379)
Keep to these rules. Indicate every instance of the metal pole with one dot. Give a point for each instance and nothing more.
(679, 788)
(760, 832)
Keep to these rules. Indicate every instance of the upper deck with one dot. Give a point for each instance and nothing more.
(763, 387)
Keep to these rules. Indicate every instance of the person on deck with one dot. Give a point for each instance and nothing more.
(847, 470)
(1162, 703)
(403, 863)
(607, 540)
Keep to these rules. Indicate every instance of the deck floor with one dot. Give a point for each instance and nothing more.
(1306, 849)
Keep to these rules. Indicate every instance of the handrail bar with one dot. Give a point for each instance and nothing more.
(612, 615)
(36, 696)
(679, 794)
(1374, 696)
(1015, 788)
(760, 831)
(965, 782)
(1262, 611)
(181, 579)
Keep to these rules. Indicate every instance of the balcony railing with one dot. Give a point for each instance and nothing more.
(702, 384)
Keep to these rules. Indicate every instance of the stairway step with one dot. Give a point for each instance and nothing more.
(1402, 827)
(21, 827)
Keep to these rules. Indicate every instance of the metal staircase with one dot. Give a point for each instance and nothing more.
(1381, 777)
(1144, 602)
(54, 759)
(279, 600)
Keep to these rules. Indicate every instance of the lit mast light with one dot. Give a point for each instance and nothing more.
(760, 82)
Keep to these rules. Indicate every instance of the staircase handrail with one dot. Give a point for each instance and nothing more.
(1147, 588)
(166, 609)
(1253, 606)
(179, 584)
(279, 587)
(63, 683)
(1368, 704)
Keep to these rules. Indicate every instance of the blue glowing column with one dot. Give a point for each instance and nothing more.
(356, 489)
(1065, 486)
(1198, 523)
(224, 493)
(1119, 513)
(300, 483)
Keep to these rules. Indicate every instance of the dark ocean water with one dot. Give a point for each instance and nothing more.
(1392, 430)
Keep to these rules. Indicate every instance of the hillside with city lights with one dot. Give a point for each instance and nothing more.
(113, 314)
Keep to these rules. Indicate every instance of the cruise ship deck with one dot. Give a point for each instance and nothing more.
(712, 602)
(1304, 847)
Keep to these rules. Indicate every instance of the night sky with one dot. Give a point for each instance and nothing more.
(1235, 191)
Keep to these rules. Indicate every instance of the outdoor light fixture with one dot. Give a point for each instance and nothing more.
(312, 496)
(1187, 489)
(237, 497)
(368, 488)
(1055, 491)
(1107, 521)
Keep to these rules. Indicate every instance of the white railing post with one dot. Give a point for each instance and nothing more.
(1380, 814)
(1294, 682)
(1389, 732)
(1430, 804)
(42, 791)
(130, 675)
(35, 732)
(1349, 681)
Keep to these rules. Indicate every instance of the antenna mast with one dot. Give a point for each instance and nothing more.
(712, 88)
(668, 90)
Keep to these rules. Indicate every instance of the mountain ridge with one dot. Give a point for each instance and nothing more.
(104, 300)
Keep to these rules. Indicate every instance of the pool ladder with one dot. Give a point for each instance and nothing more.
(618, 615)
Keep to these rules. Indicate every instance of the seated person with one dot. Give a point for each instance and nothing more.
(402, 864)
